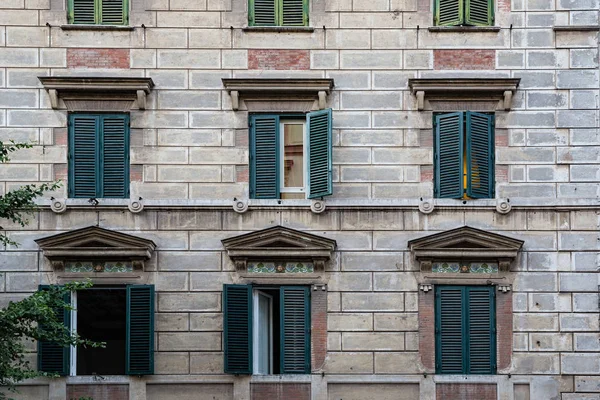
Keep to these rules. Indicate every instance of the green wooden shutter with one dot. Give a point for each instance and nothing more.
(319, 154)
(139, 358)
(449, 332)
(262, 12)
(294, 12)
(264, 157)
(115, 157)
(480, 155)
(481, 329)
(449, 12)
(479, 12)
(83, 156)
(448, 155)
(295, 330)
(237, 329)
(53, 358)
(82, 12)
(113, 12)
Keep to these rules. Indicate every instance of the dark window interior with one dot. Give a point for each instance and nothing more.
(101, 317)
(276, 329)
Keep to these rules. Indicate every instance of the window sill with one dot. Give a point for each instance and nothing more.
(464, 29)
(286, 378)
(75, 27)
(577, 28)
(278, 29)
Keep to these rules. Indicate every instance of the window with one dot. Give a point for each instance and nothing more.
(464, 155)
(278, 12)
(464, 12)
(99, 155)
(465, 330)
(120, 316)
(290, 155)
(267, 329)
(98, 12)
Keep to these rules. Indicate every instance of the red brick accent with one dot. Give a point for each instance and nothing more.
(98, 392)
(60, 136)
(278, 59)
(242, 173)
(501, 173)
(241, 138)
(279, 391)
(98, 58)
(504, 5)
(501, 137)
(465, 391)
(426, 173)
(318, 321)
(464, 59)
(60, 172)
(427, 330)
(504, 329)
(136, 173)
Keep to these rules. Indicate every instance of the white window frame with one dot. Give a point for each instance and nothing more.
(73, 329)
(255, 330)
(282, 123)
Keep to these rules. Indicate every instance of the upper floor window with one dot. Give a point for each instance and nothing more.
(278, 12)
(290, 155)
(99, 155)
(463, 155)
(464, 12)
(98, 12)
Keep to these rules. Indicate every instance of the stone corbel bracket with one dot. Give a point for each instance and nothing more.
(278, 89)
(78, 92)
(464, 89)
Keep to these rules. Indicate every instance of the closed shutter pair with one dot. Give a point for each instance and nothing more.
(139, 358)
(278, 12)
(464, 12)
(98, 12)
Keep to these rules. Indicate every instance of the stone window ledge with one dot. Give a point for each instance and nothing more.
(577, 28)
(279, 29)
(291, 378)
(76, 27)
(464, 29)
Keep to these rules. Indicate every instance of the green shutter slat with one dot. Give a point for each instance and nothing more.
(448, 155)
(448, 12)
(52, 357)
(115, 166)
(83, 169)
(237, 328)
(82, 12)
(293, 12)
(113, 12)
(140, 330)
(481, 335)
(264, 177)
(263, 12)
(480, 155)
(449, 330)
(295, 330)
(319, 154)
(479, 12)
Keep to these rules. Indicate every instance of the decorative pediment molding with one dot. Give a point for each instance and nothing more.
(279, 243)
(97, 93)
(95, 243)
(465, 243)
(464, 89)
(261, 89)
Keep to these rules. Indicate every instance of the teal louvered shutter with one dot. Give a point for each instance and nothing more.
(113, 12)
(319, 154)
(115, 156)
(83, 156)
(448, 155)
(53, 358)
(237, 328)
(449, 332)
(479, 12)
(295, 330)
(480, 155)
(262, 12)
(82, 12)
(139, 358)
(294, 12)
(449, 12)
(264, 157)
(481, 330)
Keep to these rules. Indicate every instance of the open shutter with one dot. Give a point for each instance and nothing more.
(294, 12)
(140, 330)
(319, 154)
(479, 12)
(295, 330)
(448, 155)
(448, 12)
(53, 358)
(262, 12)
(83, 156)
(264, 155)
(115, 157)
(480, 155)
(237, 329)
(82, 12)
(449, 333)
(114, 12)
(481, 330)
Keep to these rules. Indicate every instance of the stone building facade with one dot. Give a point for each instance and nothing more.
(189, 77)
